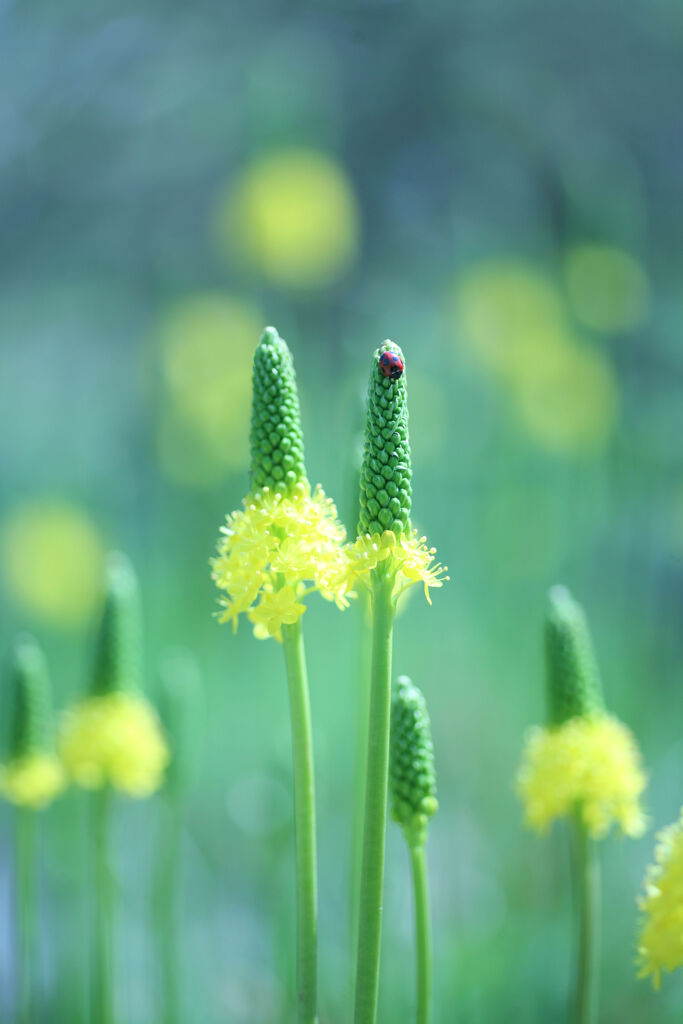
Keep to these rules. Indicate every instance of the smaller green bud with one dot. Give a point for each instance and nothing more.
(277, 446)
(30, 722)
(572, 676)
(179, 707)
(412, 777)
(118, 657)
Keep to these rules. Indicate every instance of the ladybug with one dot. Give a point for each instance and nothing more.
(391, 365)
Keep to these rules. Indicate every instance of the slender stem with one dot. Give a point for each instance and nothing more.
(423, 941)
(374, 834)
(587, 889)
(304, 815)
(25, 873)
(103, 952)
(361, 703)
(167, 906)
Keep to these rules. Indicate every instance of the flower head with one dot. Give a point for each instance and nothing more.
(285, 541)
(412, 778)
(32, 776)
(660, 947)
(590, 766)
(406, 556)
(114, 738)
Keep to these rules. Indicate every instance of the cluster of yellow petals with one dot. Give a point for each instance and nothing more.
(114, 739)
(412, 560)
(661, 939)
(591, 766)
(33, 780)
(273, 552)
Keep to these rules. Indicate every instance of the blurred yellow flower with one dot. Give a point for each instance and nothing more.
(206, 347)
(52, 559)
(570, 404)
(660, 947)
(114, 739)
(514, 321)
(292, 216)
(33, 780)
(607, 287)
(270, 547)
(588, 765)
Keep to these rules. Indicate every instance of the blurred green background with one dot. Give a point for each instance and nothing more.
(497, 187)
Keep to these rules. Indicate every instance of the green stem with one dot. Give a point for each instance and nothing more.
(25, 873)
(103, 963)
(423, 942)
(167, 907)
(374, 834)
(587, 889)
(361, 708)
(304, 816)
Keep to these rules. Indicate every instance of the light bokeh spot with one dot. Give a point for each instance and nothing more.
(607, 287)
(293, 217)
(207, 344)
(52, 561)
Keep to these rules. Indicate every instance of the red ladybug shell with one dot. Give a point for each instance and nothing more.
(391, 365)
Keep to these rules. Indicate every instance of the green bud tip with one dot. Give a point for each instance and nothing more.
(385, 492)
(277, 446)
(118, 656)
(179, 705)
(572, 676)
(30, 722)
(412, 776)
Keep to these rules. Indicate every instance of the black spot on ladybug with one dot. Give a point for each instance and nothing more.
(391, 365)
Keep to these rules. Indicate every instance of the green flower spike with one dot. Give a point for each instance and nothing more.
(32, 776)
(572, 676)
(385, 491)
(30, 779)
(387, 558)
(277, 444)
(584, 766)
(118, 658)
(412, 779)
(285, 543)
(412, 784)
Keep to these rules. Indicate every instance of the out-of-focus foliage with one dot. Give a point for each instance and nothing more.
(497, 188)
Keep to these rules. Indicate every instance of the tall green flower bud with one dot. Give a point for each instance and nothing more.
(31, 731)
(277, 447)
(118, 658)
(385, 491)
(412, 777)
(572, 677)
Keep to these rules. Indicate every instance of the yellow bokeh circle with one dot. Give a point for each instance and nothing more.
(52, 558)
(292, 216)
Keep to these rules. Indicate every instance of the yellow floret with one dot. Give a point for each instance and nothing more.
(661, 939)
(32, 781)
(412, 560)
(272, 546)
(114, 739)
(591, 766)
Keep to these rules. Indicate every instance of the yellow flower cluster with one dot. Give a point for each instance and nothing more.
(274, 552)
(32, 781)
(412, 560)
(661, 939)
(114, 738)
(588, 765)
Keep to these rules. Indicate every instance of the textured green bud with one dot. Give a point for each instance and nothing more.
(412, 778)
(277, 446)
(179, 709)
(118, 657)
(572, 677)
(385, 491)
(31, 731)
